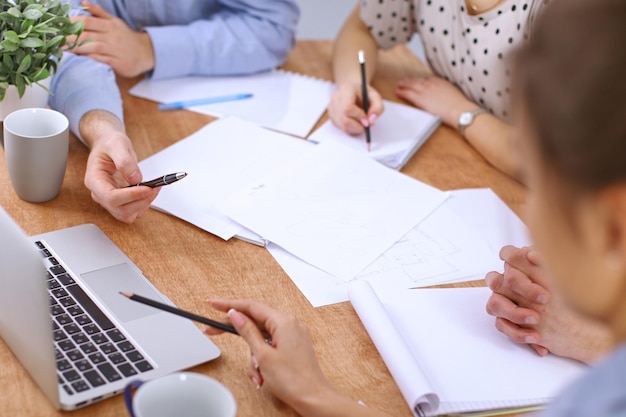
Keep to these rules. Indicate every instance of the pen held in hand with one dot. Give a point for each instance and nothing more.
(177, 105)
(179, 312)
(366, 104)
(161, 181)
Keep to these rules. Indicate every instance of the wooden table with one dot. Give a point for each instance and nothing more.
(201, 265)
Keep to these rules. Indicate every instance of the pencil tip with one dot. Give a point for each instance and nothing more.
(126, 294)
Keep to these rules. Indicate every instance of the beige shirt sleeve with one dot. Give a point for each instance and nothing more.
(391, 22)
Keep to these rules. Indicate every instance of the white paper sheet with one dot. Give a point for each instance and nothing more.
(333, 208)
(223, 156)
(284, 101)
(467, 363)
(397, 134)
(459, 241)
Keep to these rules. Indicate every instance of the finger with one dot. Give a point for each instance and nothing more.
(534, 256)
(351, 120)
(248, 330)
(377, 107)
(516, 333)
(522, 288)
(502, 307)
(128, 212)
(411, 95)
(254, 372)
(541, 351)
(513, 254)
(125, 162)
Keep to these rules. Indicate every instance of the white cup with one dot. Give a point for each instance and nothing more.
(36, 143)
(180, 394)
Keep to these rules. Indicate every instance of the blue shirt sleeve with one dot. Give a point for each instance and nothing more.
(201, 37)
(243, 37)
(81, 85)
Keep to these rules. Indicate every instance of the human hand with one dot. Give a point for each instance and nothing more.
(345, 109)
(437, 96)
(288, 366)
(127, 51)
(111, 166)
(528, 311)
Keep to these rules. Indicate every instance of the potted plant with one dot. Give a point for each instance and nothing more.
(33, 37)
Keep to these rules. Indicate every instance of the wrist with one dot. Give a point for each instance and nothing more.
(99, 124)
(467, 118)
(147, 60)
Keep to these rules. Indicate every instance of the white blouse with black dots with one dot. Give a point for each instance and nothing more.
(469, 51)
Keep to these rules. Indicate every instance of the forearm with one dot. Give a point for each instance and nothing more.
(492, 138)
(354, 36)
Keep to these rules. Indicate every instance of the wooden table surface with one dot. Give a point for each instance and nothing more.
(200, 265)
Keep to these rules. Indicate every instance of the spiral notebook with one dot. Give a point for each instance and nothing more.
(284, 101)
(447, 358)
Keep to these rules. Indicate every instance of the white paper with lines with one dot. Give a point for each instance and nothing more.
(463, 363)
(283, 101)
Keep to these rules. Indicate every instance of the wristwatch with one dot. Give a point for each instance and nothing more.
(467, 118)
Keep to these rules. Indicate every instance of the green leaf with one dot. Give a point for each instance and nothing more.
(11, 36)
(14, 12)
(42, 74)
(33, 14)
(20, 84)
(75, 28)
(7, 62)
(55, 41)
(31, 43)
(26, 27)
(25, 64)
(9, 46)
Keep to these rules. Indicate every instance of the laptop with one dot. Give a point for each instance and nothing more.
(63, 317)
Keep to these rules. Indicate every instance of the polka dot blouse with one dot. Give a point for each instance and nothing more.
(469, 50)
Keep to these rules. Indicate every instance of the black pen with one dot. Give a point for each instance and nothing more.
(179, 312)
(161, 181)
(366, 103)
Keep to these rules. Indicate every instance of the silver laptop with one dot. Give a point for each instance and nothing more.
(63, 317)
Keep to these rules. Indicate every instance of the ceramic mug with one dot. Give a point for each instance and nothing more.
(36, 143)
(179, 394)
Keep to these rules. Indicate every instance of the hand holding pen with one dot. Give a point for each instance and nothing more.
(161, 181)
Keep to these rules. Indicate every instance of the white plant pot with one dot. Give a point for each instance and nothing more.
(34, 96)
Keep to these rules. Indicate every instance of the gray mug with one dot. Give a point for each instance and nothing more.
(36, 143)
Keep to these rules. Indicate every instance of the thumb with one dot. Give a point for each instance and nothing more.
(248, 330)
(125, 162)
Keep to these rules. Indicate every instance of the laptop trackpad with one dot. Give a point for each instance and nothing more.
(106, 284)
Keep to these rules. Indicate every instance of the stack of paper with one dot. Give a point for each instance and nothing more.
(327, 205)
(329, 214)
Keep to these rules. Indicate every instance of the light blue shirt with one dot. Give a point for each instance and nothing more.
(189, 37)
(600, 393)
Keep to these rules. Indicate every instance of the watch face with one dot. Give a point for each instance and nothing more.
(465, 119)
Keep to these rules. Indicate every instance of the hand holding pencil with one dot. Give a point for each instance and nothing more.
(346, 109)
(288, 367)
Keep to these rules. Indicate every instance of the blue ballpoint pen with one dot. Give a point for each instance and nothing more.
(176, 105)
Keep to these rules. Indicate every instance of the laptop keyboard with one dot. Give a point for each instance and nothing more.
(90, 349)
